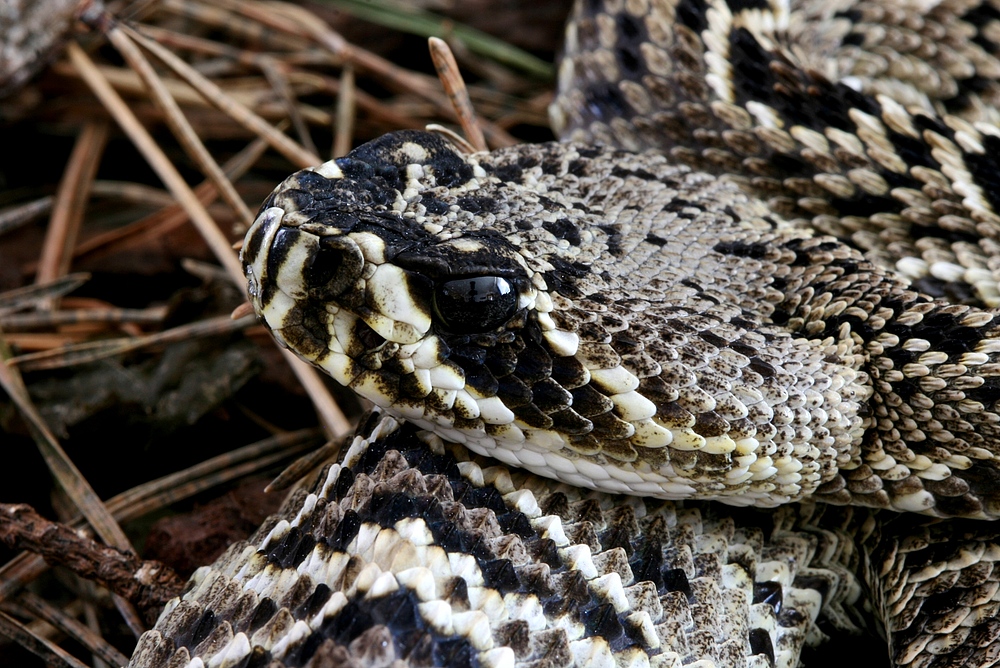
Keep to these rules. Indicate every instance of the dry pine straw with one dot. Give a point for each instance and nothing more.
(155, 139)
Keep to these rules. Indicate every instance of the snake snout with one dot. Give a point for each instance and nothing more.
(301, 264)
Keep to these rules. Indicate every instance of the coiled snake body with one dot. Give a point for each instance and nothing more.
(788, 301)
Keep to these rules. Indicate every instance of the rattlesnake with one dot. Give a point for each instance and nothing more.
(646, 332)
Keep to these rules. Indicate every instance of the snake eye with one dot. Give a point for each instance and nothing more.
(477, 304)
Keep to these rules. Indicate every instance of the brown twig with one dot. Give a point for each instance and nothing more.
(157, 494)
(148, 584)
(454, 86)
(70, 202)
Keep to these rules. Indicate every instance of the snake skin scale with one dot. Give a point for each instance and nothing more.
(787, 296)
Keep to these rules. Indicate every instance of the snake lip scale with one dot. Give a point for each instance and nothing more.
(760, 269)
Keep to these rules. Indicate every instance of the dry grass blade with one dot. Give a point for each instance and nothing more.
(303, 465)
(91, 617)
(242, 311)
(94, 643)
(67, 213)
(21, 298)
(51, 654)
(454, 86)
(295, 153)
(130, 615)
(173, 488)
(334, 421)
(172, 39)
(29, 321)
(160, 163)
(241, 462)
(173, 215)
(279, 82)
(346, 113)
(370, 105)
(131, 192)
(92, 351)
(62, 468)
(188, 138)
(14, 217)
(125, 81)
(298, 21)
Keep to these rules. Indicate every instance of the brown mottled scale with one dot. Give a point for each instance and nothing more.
(869, 120)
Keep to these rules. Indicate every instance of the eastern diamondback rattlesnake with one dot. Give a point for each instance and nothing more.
(630, 323)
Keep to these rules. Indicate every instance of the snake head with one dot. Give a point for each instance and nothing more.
(401, 272)
(363, 267)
